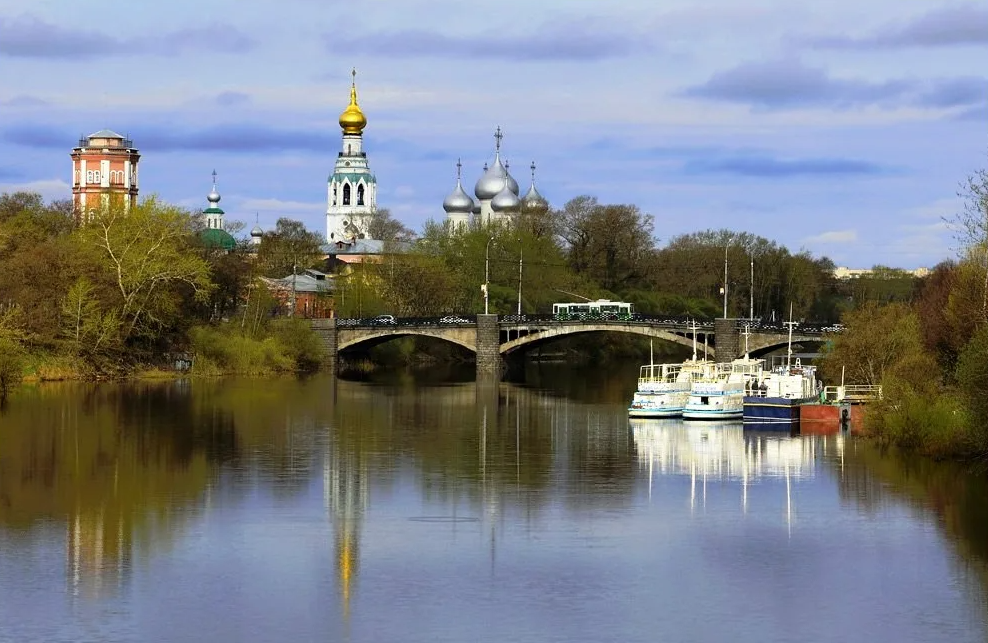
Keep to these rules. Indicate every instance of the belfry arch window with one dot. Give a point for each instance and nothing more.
(360, 194)
(334, 195)
(346, 194)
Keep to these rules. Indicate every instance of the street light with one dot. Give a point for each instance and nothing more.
(520, 253)
(487, 272)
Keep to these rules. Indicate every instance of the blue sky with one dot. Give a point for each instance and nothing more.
(838, 126)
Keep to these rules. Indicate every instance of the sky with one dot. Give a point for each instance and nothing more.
(839, 127)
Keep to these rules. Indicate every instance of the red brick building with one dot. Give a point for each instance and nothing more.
(104, 170)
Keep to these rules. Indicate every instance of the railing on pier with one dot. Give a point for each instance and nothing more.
(852, 393)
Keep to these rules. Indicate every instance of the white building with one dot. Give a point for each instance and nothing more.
(352, 189)
(497, 194)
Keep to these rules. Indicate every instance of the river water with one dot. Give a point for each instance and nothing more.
(416, 509)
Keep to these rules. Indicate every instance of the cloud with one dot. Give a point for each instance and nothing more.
(778, 84)
(573, 40)
(244, 138)
(39, 136)
(232, 99)
(767, 167)
(279, 207)
(29, 37)
(24, 101)
(944, 27)
(833, 236)
(50, 189)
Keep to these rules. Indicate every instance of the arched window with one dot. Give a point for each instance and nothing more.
(334, 195)
(89, 176)
(346, 194)
(360, 194)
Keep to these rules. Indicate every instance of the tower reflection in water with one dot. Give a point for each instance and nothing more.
(724, 451)
(345, 493)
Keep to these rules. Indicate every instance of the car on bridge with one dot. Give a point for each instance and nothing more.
(384, 320)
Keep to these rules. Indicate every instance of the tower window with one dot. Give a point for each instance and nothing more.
(360, 194)
(346, 194)
(89, 176)
(334, 195)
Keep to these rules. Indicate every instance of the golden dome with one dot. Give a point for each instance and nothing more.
(352, 120)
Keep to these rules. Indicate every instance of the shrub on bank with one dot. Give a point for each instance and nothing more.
(11, 365)
(299, 342)
(227, 351)
(934, 425)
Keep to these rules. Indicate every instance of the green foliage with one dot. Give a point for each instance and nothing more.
(90, 330)
(879, 341)
(144, 254)
(11, 365)
(935, 425)
(972, 380)
(227, 351)
(289, 249)
(300, 343)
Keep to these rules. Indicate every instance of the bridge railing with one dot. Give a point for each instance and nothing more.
(803, 328)
(852, 393)
(418, 322)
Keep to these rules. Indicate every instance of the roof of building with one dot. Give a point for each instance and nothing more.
(354, 247)
(216, 238)
(308, 281)
(106, 133)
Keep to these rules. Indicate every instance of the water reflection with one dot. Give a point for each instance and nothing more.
(724, 451)
(295, 510)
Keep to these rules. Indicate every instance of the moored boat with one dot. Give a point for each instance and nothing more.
(776, 398)
(664, 388)
(774, 401)
(719, 395)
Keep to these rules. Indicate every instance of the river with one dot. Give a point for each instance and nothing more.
(415, 508)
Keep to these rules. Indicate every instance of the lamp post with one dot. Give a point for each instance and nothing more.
(521, 251)
(487, 272)
(726, 246)
(751, 294)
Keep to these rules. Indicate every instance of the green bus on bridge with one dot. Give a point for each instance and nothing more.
(600, 309)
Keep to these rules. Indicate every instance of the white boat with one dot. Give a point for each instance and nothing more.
(719, 394)
(664, 388)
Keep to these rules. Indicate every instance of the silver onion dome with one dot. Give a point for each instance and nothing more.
(256, 231)
(491, 181)
(505, 200)
(533, 199)
(214, 196)
(512, 184)
(458, 201)
(476, 208)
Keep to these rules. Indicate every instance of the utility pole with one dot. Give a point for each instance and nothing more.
(751, 302)
(487, 273)
(520, 253)
(790, 324)
(726, 246)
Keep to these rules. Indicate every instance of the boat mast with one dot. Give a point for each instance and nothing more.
(694, 340)
(790, 324)
(746, 334)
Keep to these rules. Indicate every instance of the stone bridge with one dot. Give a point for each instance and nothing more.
(492, 338)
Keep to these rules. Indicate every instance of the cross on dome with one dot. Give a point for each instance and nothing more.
(459, 167)
(497, 139)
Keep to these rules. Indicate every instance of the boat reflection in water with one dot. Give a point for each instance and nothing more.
(724, 451)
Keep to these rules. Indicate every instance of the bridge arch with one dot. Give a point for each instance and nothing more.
(352, 338)
(545, 334)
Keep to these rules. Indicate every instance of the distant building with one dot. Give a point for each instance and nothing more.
(352, 187)
(843, 272)
(214, 235)
(104, 171)
(313, 293)
(497, 194)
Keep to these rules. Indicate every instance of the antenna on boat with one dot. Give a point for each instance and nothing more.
(651, 357)
(790, 324)
(694, 340)
(746, 334)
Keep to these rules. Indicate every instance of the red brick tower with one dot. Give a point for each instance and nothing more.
(104, 170)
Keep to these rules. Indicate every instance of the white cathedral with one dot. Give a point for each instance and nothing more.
(352, 190)
(497, 194)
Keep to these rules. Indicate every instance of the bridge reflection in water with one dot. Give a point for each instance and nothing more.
(724, 451)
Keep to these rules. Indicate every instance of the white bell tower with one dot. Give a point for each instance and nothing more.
(352, 190)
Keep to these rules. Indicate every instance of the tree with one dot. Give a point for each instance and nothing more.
(879, 341)
(381, 225)
(971, 225)
(145, 253)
